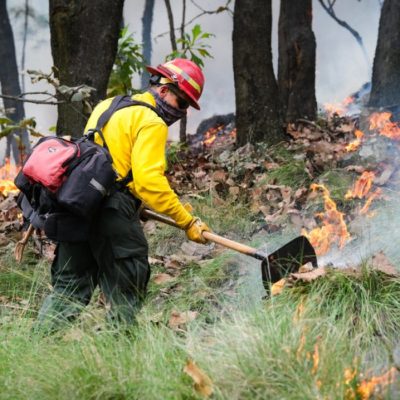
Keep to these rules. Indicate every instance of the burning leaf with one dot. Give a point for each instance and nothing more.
(202, 383)
(178, 320)
(362, 186)
(160, 279)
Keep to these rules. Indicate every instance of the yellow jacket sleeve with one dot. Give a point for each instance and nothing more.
(148, 167)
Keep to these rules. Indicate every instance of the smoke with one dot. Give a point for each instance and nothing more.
(341, 68)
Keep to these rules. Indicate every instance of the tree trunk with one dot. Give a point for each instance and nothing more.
(84, 42)
(385, 90)
(296, 65)
(10, 86)
(147, 21)
(257, 104)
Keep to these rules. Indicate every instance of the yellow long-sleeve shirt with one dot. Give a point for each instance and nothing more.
(136, 138)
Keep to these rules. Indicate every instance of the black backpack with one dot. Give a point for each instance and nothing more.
(87, 178)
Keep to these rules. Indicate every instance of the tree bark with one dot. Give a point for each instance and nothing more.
(84, 42)
(9, 81)
(147, 21)
(385, 90)
(296, 65)
(257, 102)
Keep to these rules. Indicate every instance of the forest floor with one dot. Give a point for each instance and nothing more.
(206, 329)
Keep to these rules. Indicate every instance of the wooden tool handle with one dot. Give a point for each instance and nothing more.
(27, 234)
(212, 237)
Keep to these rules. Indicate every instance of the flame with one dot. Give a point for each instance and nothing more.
(367, 387)
(334, 229)
(370, 199)
(212, 134)
(362, 186)
(355, 144)
(338, 108)
(7, 174)
(382, 123)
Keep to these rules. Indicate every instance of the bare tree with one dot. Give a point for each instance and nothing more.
(257, 102)
(147, 21)
(296, 66)
(10, 86)
(385, 90)
(183, 121)
(84, 40)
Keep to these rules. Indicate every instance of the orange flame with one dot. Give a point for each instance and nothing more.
(362, 186)
(212, 134)
(338, 108)
(7, 174)
(367, 387)
(370, 199)
(382, 123)
(334, 229)
(355, 144)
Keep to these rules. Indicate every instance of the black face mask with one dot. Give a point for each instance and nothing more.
(168, 113)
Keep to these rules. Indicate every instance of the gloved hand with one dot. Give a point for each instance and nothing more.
(195, 229)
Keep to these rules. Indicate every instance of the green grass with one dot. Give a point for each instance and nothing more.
(264, 351)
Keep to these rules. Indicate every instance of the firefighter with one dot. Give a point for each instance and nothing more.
(115, 256)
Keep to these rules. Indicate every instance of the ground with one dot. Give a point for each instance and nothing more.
(206, 328)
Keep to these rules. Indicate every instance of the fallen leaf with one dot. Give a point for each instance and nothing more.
(202, 382)
(381, 263)
(308, 276)
(154, 261)
(219, 176)
(306, 268)
(277, 287)
(178, 320)
(160, 279)
(385, 175)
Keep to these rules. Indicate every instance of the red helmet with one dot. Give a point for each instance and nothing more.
(185, 74)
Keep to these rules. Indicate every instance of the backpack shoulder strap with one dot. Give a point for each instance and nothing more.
(118, 103)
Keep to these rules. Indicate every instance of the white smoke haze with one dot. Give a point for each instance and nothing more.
(341, 68)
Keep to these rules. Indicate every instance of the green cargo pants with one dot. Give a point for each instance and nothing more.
(115, 257)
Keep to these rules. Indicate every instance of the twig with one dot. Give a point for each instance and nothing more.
(331, 12)
(19, 98)
(204, 12)
(306, 121)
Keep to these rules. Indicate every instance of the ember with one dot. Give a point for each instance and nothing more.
(334, 229)
(7, 175)
(382, 123)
